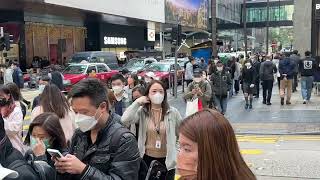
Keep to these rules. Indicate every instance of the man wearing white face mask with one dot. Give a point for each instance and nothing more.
(158, 122)
(199, 88)
(122, 94)
(94, 153)
(221, 81)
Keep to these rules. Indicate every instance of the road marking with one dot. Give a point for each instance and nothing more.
(27, 118)
(26, 127)
(267, 140)
(251, 151)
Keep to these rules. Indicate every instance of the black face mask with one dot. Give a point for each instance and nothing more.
(4, 101)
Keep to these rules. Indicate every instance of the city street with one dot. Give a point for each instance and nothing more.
(280, 143)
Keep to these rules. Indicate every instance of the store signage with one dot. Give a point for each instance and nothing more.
(151, 35)
(317, 6)
(115, 40)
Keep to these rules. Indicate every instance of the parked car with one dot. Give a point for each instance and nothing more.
(181, 61)
(76, 72)
(109, 58)
(162, 71)
(137, 64)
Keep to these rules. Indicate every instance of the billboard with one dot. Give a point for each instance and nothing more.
(192, 13)
(151, 10)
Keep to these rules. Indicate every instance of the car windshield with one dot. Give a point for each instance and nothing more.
(158, 67)
(135, 63)
(78, 58)
(75, 69)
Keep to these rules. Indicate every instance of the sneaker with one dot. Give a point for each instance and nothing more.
(246, 106)
(269, 103)
(250, 106)
(288, 103)
(264, 102)
(282, 101)
(304, 102)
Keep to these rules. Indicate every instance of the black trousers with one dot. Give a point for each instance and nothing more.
(257, 86)
(188, 82)
(279, 79)
(148, 159)
(267, 86)
(295, 82)
(236, 86)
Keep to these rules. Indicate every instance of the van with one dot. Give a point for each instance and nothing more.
(108, 58)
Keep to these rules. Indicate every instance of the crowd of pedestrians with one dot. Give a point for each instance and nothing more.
(250, 75)
(130, 131)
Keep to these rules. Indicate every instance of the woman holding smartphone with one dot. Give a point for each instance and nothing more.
(158, 122)
(45, 132)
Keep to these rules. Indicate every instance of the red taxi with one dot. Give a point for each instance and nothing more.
(162, 71)
(76, 72)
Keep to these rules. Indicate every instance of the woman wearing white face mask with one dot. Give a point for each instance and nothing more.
(248, 83)
(157, 126)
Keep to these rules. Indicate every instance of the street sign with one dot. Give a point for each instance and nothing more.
(151, 35)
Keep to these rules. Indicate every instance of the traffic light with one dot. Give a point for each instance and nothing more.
(8, 39)
(2, 43)
(176, 35)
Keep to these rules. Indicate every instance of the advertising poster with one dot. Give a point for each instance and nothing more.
(192, 13)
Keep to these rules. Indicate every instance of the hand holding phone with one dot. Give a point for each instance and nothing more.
(55, 153)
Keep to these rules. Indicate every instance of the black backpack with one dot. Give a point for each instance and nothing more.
(39, 169)
(114, 144)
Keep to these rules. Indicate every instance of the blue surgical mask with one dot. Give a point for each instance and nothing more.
(33, 142)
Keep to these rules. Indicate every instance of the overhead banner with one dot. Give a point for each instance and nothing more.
(151, 10)
(191, 13)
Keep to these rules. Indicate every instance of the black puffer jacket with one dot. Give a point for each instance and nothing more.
(221, 82)
(122, 165)
(9, 157)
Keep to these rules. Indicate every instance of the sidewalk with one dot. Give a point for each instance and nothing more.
(296, 118)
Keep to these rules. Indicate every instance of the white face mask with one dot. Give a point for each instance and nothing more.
(41, 88)
(248, 65)
(219, 68)
(117, 89)
(147, 80)
(197, 80)
(156, 98)
(215, 61)
(85, 123)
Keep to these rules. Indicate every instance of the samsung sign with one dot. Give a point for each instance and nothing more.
(115, 41)
(151, 10)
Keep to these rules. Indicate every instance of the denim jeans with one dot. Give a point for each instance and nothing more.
(221, 103)
(306, 87)
(231, 89)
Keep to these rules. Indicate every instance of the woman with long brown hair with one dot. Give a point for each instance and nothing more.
(53, 100)
(209, 150)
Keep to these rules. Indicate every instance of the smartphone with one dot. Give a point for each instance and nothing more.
(55, 153)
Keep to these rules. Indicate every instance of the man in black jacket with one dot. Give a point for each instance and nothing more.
(91, 155)
(256, 62)
(306, 67)
(221, 80)
(267, 70)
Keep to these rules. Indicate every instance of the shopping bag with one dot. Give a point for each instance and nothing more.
(192, 106)
(200, 106)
